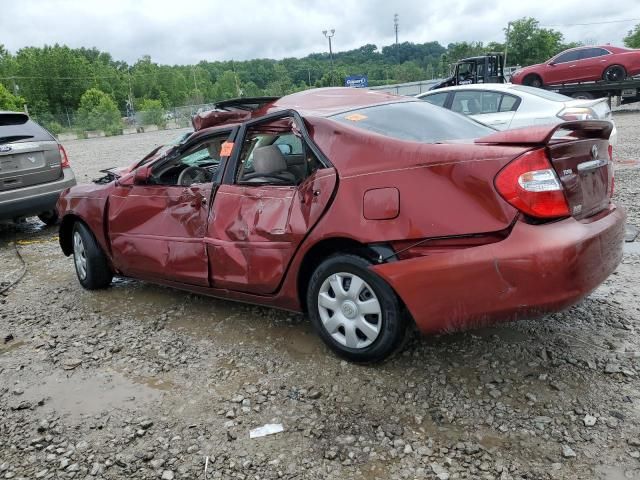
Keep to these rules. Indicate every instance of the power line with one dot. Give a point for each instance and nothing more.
(591, 23)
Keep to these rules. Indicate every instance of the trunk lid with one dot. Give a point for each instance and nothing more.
(584, 169)
(580, 156)
(599, 106)
(23, 164)
(29, 155)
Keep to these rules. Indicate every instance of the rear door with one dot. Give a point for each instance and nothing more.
(29, 155)
(260, 218)
(492, 108)
(591, 64)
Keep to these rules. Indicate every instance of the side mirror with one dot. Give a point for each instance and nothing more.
(141, 175)
(285, 148)
(551, 64)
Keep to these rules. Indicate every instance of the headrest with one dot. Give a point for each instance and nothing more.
(268, 159)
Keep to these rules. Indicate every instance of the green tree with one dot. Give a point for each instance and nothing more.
(98, 111)
(632, 40)
(9, 101)
(152, 112)
(530, 44)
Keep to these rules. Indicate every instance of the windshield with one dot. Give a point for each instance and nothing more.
(417, 121)
(539, 92)
(164, 149)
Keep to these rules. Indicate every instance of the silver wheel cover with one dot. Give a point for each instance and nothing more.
(349, 310)
(79, 256)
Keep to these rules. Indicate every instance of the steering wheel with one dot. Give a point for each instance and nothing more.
(270, 176)
(191, 175)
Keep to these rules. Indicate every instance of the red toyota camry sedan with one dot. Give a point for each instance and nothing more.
(367, 211)
(582, 64)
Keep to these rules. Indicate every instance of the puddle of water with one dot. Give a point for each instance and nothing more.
(631, 248)
(89, 394)
(298, 338)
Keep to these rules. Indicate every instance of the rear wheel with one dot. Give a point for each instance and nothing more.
(355, 312)
(49, 218)
(92, 267)
(614, 73)
(532, 80)
(582, 96)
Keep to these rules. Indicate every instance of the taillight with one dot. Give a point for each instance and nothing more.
(612, 182)
(64, 160)
(577, 113)
(531, 185)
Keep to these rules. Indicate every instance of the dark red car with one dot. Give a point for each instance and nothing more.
(583, 64)
(366, 210)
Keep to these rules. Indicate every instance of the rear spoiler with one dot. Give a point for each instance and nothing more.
(542, 135)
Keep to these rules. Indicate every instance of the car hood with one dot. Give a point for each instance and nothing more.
(528, 68)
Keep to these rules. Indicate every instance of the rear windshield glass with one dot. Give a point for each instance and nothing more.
(417, 121)
(538, 92)
(30, 131)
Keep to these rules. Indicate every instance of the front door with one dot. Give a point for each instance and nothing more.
(276, 191)
(157, 229)
(563, 68)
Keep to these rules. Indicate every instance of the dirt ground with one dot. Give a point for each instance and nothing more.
(141, 381)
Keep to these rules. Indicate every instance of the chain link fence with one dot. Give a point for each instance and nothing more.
(70, 123)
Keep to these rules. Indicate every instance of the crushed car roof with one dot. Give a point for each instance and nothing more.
(324, 102)
(321, 102)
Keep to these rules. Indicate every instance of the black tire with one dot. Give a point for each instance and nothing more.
(391, 322)
(614, 73)
(582, 96)
(532, 80)
(97, 274)
(49, 218)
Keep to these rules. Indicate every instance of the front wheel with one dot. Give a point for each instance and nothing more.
(532, 81)
(92, 267)
(355, 312)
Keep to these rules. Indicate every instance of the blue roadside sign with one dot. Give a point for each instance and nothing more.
(357, 81)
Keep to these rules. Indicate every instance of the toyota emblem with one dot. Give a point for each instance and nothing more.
(594, 152)
(5, 148)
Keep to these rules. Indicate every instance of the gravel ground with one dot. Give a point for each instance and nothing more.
(140, 381)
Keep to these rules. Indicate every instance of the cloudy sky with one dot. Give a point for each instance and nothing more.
(177, 32)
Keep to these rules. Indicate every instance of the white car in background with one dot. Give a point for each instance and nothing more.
(505, 106)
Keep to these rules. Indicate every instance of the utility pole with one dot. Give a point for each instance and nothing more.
(195, 85)
(395, 27)
(329, 36)
(131, 111)
(506, 45)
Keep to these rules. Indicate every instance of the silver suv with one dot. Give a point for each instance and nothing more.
(34, 169)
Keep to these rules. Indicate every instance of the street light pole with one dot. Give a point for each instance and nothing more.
(329, 35)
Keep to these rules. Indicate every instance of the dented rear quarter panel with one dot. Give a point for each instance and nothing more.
(444, 189)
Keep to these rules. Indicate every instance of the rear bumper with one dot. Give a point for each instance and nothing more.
(538, 269)
(36, 199)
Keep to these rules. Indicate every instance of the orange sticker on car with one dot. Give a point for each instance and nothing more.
(356, 117)
(226, 149)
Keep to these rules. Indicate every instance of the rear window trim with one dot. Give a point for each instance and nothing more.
(36, 131)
